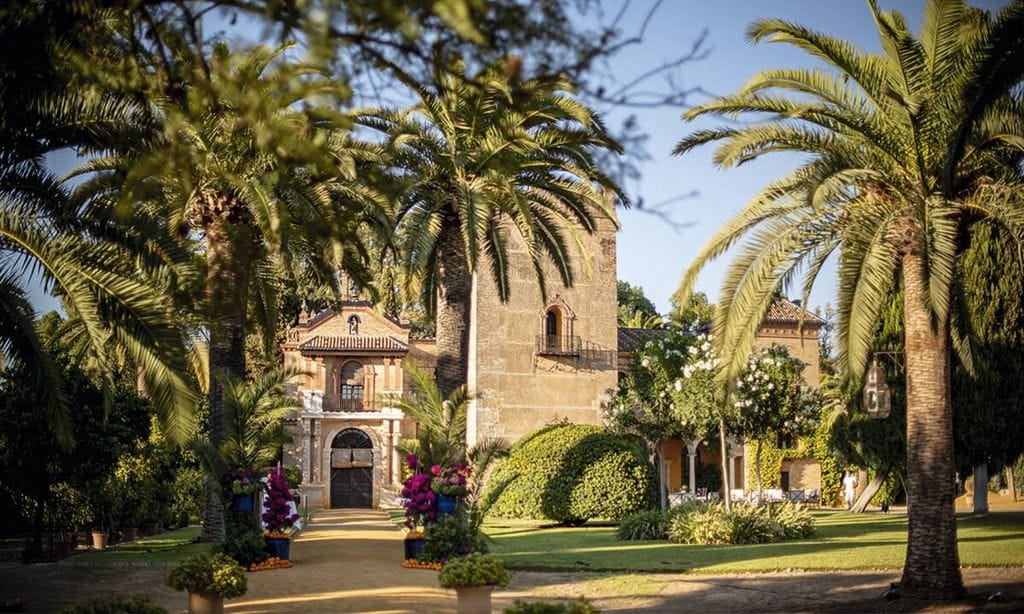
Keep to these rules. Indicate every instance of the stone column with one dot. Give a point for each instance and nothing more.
(387, 374)
(731, 452)
(396, 462)
(691, 452)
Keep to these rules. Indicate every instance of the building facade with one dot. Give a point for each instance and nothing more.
(533, 360)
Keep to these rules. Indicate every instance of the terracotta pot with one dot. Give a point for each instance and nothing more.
(205, 603)
(473, 599)
(99, 540)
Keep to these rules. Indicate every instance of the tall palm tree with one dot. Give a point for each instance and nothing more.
(481, 156)
(253, 170)
(901, 165)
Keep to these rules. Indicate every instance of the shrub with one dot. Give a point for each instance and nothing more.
(217, 574)
(136, 604)
(645, 525)
(243, 538)
(699, 526)
(744, 524)
(580, 606)
(189, 493)
(573, 472)
(449, 538)
(795, 521)
(474, 569)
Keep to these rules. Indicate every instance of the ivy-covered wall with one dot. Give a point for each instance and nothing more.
(815, 447)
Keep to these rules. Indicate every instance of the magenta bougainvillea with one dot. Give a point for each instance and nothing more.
(277, 513)
(420, 500)
(450, 482)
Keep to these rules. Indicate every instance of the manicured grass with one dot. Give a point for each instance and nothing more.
(844, 541)
(170, 547)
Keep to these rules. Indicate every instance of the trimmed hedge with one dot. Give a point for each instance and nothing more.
(571, 473)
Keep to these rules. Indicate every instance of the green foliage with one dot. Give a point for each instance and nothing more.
(253, 411)
(580, 606)
(449, 538)
(644, 525)
(217, 574)
(243, 540)
(572, 472)
(136, 604)
(633, 301)
(692, 313)
(441, 436)
(743, 524)
(474, 569)
(189, 493)
(890, 491)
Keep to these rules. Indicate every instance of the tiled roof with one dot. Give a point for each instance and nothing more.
(631, 338)
(788, 311)
(353, 344)
(318, 318)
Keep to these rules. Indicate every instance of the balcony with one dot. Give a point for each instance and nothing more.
(349, 405)
(558, 345)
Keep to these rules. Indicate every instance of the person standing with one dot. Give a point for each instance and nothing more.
(849, 488)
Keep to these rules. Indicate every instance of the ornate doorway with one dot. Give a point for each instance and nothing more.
(352, 470)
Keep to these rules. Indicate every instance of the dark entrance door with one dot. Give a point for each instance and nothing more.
(352, 470)
(352, 487)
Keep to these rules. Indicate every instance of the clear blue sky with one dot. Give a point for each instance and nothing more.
(652, 254)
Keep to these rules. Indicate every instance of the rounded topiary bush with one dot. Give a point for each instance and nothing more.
(570, 473)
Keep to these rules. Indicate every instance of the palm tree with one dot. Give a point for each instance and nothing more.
(901, 165)
(252, 170)
(477, 158)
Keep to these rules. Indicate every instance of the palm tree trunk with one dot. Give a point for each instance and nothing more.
(932, 567)
(454, 283)
(229, 258)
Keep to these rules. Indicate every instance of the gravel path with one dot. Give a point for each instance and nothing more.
(348, 561)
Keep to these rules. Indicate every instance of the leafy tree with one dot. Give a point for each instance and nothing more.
(634, 306)
(907, 152)
(772, 398)
(692, 315)
(480, 157)
(38, 469)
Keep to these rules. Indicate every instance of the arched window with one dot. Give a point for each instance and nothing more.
(353, 324)
(556, 323)
(351, 392)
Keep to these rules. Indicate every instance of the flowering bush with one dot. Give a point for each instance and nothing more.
(450, 482)
(278, 514)
(420, 499)
(241, 482)
(218, 574)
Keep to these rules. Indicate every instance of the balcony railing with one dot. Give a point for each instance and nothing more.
(558, 345)
(336, 404)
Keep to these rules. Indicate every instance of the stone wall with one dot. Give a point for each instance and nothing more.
(519, 389)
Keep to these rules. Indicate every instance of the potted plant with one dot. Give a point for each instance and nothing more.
(209, 580)
(242, 485)
(473, 577)
(420, 507)
(449, 484)
(278, 516)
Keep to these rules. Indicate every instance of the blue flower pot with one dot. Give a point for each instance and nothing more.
(281, 547)
(446, 504)
(413, 547)
(243, 502)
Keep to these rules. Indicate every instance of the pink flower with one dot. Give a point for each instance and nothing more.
(436, 470)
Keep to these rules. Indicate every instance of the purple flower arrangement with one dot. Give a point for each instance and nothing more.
(241, 482)
(450, 482)
(277, 513)
(420, 500)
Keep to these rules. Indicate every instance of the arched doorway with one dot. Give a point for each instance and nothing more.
(352, 470)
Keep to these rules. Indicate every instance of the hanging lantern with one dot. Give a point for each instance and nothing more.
(876, 393)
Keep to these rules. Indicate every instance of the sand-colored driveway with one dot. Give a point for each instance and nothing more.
(346, 561)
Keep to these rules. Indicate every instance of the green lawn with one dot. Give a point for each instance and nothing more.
(169, 547)
(844, 541)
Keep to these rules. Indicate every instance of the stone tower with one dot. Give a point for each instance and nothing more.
(534, 361)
